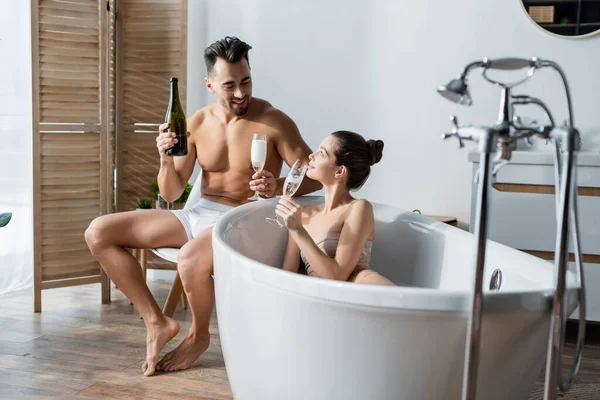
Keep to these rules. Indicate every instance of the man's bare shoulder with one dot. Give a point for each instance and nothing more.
(272, 116)
(198, 120)
(201, 115)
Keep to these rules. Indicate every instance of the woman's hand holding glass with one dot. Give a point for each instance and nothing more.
(291, 184)
(290, 212)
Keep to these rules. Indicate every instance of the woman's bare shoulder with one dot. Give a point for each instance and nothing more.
(361, 206)
(361, 214)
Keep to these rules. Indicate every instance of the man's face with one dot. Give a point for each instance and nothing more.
(232, 85)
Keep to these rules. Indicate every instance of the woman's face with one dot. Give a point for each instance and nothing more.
(321, 166)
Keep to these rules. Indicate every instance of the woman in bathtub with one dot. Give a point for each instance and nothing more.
(334, 239)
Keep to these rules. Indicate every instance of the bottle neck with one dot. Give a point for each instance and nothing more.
(174, 92)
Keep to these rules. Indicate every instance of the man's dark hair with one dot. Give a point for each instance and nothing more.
(230, 49)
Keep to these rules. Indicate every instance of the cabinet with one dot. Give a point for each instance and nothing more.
(522, 211)
(567, 17)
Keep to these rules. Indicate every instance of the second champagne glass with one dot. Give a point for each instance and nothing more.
(291, 184)
(258, 156)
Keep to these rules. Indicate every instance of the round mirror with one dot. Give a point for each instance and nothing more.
(571, 18)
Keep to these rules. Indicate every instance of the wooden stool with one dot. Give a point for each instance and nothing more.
(447, 220)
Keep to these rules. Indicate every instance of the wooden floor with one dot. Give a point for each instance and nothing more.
(79, 349)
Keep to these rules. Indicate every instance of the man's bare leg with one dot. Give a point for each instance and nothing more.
(108, 237)
(195, 266)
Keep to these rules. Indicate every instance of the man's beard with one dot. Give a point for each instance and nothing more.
(238, 112)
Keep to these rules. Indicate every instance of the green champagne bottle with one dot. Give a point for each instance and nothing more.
(176, 119)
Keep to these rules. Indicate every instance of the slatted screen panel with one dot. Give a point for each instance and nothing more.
(109, 78)
(151, 48)
(72, 137)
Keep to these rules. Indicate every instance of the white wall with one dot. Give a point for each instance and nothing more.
(373, 67)
(16, 239)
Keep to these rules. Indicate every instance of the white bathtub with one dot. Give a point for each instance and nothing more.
(289, 336)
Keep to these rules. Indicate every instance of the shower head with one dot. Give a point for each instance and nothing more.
(457, 91)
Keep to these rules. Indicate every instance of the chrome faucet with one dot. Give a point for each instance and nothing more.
(501, 140)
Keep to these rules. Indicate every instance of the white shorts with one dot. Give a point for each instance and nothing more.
(200, 216)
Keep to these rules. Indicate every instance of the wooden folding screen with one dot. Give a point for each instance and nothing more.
(81, 96)
(72, 137)
(151, 48)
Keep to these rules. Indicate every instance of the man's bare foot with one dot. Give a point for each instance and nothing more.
(158, 335)
(185, 354)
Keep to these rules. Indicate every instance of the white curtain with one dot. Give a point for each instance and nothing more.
(16, 176)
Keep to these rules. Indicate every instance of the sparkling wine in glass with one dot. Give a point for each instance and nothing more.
(291, 184)
(258, 155)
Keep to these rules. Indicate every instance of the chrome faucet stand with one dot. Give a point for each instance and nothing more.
(495, 144)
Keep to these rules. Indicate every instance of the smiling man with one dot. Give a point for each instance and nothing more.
(220, 140)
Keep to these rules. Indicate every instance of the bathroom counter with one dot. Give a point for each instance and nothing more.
(522, 211)
(584, 158)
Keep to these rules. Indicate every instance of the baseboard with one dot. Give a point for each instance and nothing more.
(160, 275)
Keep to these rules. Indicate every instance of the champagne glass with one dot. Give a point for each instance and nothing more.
(292, 183)
(258, 155)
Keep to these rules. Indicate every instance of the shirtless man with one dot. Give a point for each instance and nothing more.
(220, 140)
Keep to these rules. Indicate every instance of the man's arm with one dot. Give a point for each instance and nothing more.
(292, 147)
(175, 172)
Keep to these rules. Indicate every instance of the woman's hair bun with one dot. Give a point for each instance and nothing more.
(376, 150)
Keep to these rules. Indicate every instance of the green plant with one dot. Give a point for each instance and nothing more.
(5, 219)
(154, 189)
(182, 199)
(144, 204)
(186, 193)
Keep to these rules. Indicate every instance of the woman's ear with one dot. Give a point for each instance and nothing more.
(341, 171)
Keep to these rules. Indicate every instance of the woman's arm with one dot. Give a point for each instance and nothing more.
(291, 260)
(356, 231)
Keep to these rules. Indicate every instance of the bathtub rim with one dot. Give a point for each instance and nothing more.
(393, 297)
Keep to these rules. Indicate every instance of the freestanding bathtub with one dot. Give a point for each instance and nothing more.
(289, 336)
